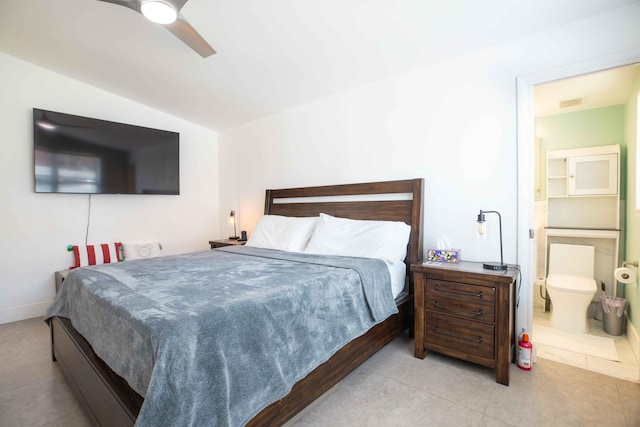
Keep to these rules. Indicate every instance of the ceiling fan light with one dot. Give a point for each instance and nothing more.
(158, 12)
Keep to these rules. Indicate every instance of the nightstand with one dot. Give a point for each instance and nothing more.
(225, 242)
(60, 276)
(466, 312)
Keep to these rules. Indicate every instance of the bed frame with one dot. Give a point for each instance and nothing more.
(109, 401)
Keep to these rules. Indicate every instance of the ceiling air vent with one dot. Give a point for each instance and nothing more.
(571, 102)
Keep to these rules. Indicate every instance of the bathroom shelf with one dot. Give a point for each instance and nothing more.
(583, 204)
(597, 233)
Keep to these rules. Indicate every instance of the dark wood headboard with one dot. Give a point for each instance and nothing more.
(385, 201)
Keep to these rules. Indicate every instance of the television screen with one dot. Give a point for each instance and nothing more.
(75, 154)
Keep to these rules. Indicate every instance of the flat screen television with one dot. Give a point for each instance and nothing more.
(74, 154)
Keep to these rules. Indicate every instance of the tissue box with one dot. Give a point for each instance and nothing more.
(443, 255)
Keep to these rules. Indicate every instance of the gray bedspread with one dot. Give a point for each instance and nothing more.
(211, 338)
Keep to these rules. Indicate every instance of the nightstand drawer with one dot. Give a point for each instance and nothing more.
(447, 333)
(480, 310)
(464, 291)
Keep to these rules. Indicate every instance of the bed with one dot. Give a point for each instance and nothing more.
(109, 400)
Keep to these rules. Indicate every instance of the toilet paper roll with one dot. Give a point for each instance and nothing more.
(625, 275)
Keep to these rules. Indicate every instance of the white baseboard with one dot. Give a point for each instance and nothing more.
(14, 314)
(634, 339)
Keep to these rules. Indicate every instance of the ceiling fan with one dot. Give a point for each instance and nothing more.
(167, 13)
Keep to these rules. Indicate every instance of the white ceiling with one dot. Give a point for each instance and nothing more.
(272, 54)
(601, 89)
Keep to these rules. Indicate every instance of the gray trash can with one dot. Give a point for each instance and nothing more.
(613, 314)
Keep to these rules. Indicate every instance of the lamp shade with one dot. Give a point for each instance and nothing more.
(480, 228)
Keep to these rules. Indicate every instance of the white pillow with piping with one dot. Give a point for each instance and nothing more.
(386, 240)
(282, 232)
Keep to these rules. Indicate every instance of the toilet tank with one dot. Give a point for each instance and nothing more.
(574, 260)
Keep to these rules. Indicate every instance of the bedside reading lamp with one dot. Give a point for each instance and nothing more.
(232, 220)
(481, 234)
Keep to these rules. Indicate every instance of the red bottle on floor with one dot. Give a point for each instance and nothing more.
(525, 350)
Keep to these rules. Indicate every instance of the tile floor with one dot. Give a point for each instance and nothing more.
(627, 368)
(392, 388)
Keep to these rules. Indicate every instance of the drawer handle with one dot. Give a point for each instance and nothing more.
(479, 294)
(476, 340)
(475, 313)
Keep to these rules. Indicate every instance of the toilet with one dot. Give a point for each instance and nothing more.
(571, 286)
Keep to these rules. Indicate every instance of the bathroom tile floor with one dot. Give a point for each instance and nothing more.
(392, 388)
(627, 368)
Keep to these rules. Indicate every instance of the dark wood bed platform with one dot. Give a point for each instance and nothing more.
(109, 401)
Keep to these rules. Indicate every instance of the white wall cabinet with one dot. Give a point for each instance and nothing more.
(593, 175)
(571, 174)
(583, 204)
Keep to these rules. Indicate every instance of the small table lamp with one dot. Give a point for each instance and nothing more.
(232, 220)
(481, 234)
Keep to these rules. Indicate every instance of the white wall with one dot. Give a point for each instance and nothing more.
(35, 229)
(453, 124)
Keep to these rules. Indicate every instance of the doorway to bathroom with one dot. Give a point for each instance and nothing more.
(584, 112)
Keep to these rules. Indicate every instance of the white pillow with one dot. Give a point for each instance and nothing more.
(282, 232)
(386, 240)
(141, 250)
(398, 273)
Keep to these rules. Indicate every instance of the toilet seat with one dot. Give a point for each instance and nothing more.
(579, 284)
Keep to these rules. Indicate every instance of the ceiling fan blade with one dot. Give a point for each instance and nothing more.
(189, 36)
(177, 4)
